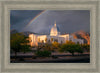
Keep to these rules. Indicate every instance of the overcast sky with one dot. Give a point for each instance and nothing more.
(41, 21)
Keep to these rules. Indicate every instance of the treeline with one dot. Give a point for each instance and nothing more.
(20, 43)
(69, 46)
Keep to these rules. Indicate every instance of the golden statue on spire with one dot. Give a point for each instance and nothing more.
(55, 23)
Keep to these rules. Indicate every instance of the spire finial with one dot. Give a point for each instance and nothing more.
(55, 23)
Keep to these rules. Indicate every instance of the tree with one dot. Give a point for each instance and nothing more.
(78, 49)
(19, 42)
(68, 47)
(51, 39)
(69, 42)
(63, 48)
(25, 48)
(48, 47)
(43, 53)
(71, 48)
(55, 46)
(40, 46)
(86, 47)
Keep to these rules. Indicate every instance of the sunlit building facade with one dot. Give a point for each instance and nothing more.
(55, 35)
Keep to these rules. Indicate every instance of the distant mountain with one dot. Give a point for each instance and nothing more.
(26, 33)
(13, 31)
(82, 35)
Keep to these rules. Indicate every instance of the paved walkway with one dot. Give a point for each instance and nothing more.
(66, 59)
(31, 53)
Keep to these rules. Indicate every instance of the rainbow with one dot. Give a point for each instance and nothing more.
(35, 18)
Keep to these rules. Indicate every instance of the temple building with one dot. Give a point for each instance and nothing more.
(54, 36)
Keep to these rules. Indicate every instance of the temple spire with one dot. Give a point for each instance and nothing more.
(55, 23)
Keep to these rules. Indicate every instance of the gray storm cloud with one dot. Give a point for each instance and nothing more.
(67, 20)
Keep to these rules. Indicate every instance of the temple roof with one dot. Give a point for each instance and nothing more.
(54, 30)
(55, 27)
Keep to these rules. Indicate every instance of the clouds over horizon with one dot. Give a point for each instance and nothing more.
(67, 20)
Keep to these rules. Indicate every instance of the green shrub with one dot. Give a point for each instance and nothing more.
(44, 53)
(71, 48)
(79, 50)
(86, 47)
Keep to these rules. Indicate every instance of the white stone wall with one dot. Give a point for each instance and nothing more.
(33, 41)
(66, 37)
(80, 41)
(60, 39)
(42, 38)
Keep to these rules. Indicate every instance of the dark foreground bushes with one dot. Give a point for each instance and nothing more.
(43, 53)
